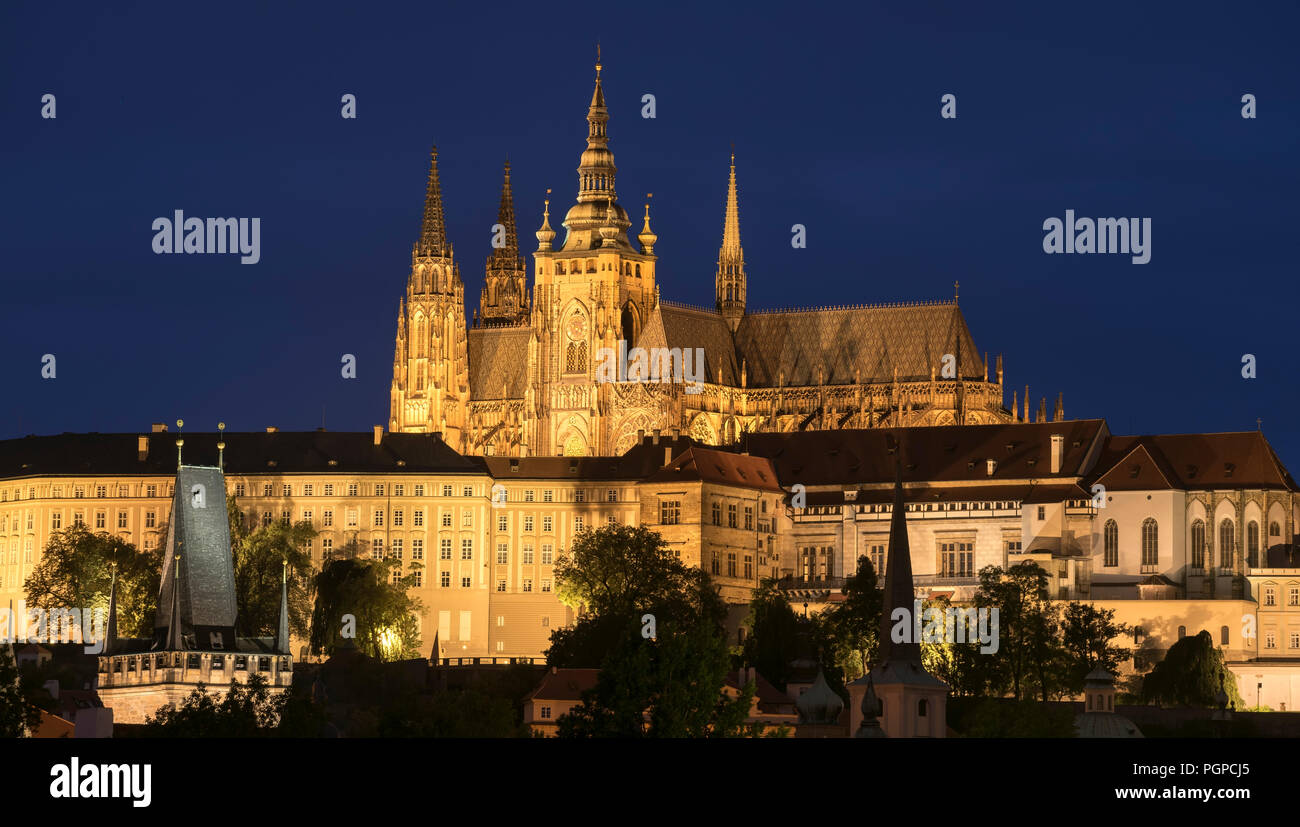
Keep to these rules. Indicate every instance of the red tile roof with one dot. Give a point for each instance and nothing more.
(564, 684)
(722, 467)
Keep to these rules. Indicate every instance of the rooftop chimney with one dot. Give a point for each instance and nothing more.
(1057, 442)
(656, 433)
(158, 428)
(379, 434)
(142, 448)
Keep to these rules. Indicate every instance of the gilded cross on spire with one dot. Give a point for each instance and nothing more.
(597, 58)
(955, 286)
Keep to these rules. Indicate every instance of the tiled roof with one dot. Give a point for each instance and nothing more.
(723, 467)
(564, 684)
(936, 454)
(246, 453)
(698, 328)
(1017, 492)
(640, 461)
(860, 344)
(498, 357)
(1242, 459)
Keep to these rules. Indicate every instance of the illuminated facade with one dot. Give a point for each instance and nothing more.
(525, 379)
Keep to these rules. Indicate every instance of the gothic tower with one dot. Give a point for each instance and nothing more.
(730, 280)
(592, 292)
(504, 297)
(430, 389)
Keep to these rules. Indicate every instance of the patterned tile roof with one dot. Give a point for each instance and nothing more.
(498, 357)
(857, 344)
(688, 327)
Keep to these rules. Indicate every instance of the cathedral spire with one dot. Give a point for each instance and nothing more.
(899, 591)
(506, 218)
(730, 281)
(433, 232)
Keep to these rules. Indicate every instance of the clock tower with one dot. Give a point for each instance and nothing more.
(594, 291)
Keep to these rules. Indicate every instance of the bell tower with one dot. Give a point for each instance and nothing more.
(430, 390)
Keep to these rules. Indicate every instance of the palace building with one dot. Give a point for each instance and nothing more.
(522, 378)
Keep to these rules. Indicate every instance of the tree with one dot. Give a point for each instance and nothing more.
(259, 553)
(18, 716)
(1191, 674)
(1087, 632)
(668, 685)
(854, 625)
(622, 570)
(245, 711)
(773, 633)
(76, 570)
(1030, 658)
(383, 614)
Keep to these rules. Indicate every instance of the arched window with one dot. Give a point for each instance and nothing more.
(1198, 545)
(575, 358)
(591, 265)
(922, 707)
(1182, 632)
(1227, 546)
(1274, 530)
(1252, 543)
(1223, 635)
(1150, 543)
(559, 268)
(638, 271)
(1110, 537)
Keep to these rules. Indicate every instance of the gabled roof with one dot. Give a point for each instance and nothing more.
(855, 344)
(1242, 459)
(933, 454)
(689, 327)
(721, 467)
(564, 684)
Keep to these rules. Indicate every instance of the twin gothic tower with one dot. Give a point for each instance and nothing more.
(523, 377)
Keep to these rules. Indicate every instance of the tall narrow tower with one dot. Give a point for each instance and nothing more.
(430, 389)
(730, 280)
(504, 298)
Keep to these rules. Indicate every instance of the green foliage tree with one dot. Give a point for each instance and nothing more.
(18, 715)
(997, 718)
(854, 625)
(1191, 674)
(1087, 632)
(76, 570)
(773, 633)
(259, 553)
(244, 711)
(670, 685)
(383, 611)
(1030, 657)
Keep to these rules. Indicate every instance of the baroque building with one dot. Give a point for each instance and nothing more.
(535, 372)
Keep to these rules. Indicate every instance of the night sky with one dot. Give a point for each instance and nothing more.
(1109, 109)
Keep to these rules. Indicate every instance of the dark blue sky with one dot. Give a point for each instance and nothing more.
(1110, 109)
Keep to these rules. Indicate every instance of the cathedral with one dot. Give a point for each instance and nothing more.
(523, 376)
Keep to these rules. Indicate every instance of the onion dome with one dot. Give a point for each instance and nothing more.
(819, 704)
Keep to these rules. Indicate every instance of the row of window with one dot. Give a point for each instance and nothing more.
(1150, 543)
(353, 489)
(79, 492)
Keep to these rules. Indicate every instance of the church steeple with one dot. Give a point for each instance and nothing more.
(730, 280)
(430, 365)
(597, 206)
(504, 284)
(899, 590)
(433, 232)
